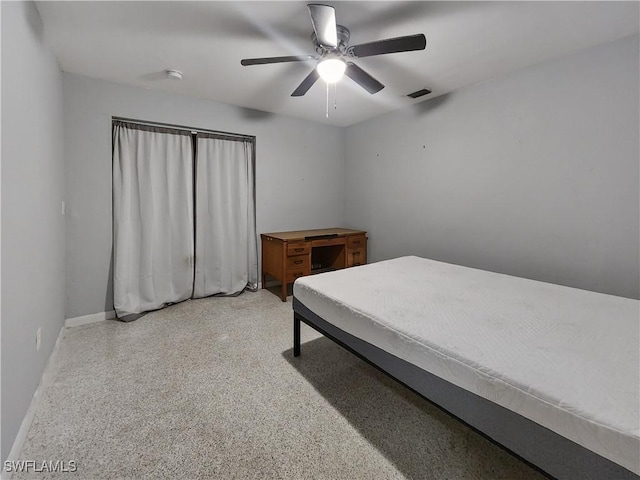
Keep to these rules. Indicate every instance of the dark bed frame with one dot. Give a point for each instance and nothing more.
(546, 451)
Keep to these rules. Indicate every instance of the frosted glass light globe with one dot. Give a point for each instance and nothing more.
(331, 69)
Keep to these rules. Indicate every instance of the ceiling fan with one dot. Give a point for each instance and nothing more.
(334, 54)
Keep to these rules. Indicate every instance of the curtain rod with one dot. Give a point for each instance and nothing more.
(183, 128)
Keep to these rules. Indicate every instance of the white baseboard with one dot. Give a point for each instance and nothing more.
(45, 379)
(92, 318)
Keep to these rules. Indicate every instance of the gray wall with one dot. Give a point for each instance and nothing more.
(533, 174)
(299, 172)
(33, 252)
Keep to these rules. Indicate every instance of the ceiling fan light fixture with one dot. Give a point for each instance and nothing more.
(331, 69)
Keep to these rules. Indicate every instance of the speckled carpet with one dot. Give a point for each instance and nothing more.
(209, 389)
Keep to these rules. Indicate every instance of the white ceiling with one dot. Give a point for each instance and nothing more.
(467, 42)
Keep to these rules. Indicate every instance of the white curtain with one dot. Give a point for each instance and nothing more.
(226, 244)
(153, 217)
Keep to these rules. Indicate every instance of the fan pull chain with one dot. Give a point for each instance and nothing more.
(327, 111)
(335, 96)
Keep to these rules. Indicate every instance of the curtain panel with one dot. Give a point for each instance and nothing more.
(226, 245)
(152, 218)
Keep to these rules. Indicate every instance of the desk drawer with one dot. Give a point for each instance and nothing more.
(296, 273)
(298, 262)
(357, 256)
(326, 242)
(356, 241)
(298, 248)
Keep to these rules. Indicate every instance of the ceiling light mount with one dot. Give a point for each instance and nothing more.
(174, 74)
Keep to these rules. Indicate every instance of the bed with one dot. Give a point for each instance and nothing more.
(550, 373)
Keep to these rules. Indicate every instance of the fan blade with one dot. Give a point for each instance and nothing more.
(362, 78)
(306, 84)
(390, 45)
(262, 61)
(323, 18)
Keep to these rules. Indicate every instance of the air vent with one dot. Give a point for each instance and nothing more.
(419, 93)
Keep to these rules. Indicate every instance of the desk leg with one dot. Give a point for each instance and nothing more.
(283, 295)
(264, 280)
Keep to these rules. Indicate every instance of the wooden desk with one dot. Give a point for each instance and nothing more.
(289, 255)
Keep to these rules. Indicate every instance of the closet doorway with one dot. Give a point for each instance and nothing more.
(183, 215)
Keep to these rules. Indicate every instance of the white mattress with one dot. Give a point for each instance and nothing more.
(565, 358)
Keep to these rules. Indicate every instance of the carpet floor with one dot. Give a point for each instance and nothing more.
(210, 389)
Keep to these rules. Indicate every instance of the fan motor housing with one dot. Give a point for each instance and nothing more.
(343, 41)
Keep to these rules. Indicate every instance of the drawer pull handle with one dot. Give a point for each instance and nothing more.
(356, 254)
(357, 242)
(299, 249)
(298, 274)
(298, 262)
